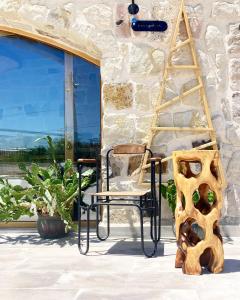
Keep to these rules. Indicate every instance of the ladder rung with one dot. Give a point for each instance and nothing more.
(182, 44)
(183, 67)
(182, 129)
(177, 98)
(170, 157)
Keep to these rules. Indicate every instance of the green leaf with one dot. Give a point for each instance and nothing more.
(196, 197)
(164, 191)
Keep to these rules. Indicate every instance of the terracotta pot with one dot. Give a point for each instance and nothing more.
(50, 227)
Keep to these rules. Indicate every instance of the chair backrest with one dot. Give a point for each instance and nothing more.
(125, 149)
(129, 149)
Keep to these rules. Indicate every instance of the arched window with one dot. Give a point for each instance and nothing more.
(45, 91)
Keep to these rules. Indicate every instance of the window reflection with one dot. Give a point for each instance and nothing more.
(32, 92)
(32, 101)
(87, 108)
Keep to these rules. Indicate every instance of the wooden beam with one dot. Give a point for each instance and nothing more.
(51, 42)
(182, 67)
(182, 129)
(195, 148)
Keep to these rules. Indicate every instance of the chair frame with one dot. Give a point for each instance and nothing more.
(140, 201)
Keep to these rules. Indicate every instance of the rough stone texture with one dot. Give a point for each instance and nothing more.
(235, 74)
(225, 9)
(236, 106)
(132, 65)
(122, 28)
(118, 95)
(214, 40)
(139, 59)
(134, 163)
(234, 40)
(195, 14)
(99, 15)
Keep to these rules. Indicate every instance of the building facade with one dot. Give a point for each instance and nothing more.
(86, 40)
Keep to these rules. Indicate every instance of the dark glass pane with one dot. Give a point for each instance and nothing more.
(87, 91)
(32, 101)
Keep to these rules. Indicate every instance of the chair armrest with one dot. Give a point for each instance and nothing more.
(86, 161)
(156, 159)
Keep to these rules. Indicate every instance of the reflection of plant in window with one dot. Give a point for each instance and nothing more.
(38, 154)
(53, 190)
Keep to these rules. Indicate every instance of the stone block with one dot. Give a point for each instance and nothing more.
(99, 15)
(142, 98)
(142, 125)
(183, 119)
(225, 107)
(111, 69)
(224, 9)
(233, 134)
(214, 39)
(107, 43)
(140, 61)
(219, 126)
(163, 137)
(221, 72)
(232, 204)
(234, 73)
(122, 24)
(9, 7)
(234, 40)
(195, 14)
(118, 129)
(165, 120)
(134, 163)
(158, 59)
(120, 96)
(236, 106)
(182, 56)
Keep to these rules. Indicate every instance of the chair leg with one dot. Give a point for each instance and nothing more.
(153, 252)
(98, 221)
(80, 245)
(151, 221)
(157, 206)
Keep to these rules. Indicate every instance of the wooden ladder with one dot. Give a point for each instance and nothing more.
(161, 105)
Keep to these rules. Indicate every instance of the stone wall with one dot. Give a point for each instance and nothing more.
(132, 66)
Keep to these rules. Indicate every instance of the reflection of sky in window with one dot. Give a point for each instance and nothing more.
(31, 92)
(87, 100)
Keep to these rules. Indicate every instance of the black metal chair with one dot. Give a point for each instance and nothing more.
(144, 201)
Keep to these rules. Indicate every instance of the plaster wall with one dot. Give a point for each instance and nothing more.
(132, 66)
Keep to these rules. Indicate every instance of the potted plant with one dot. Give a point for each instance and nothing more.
(53, 190)
(14, 202)
(169, 192)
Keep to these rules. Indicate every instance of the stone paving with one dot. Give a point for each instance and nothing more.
(32, 268)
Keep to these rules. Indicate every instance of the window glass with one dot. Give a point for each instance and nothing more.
(32, 101)
(87, 90)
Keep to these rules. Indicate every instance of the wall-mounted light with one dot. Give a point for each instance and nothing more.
(133, 8)
(145, 25)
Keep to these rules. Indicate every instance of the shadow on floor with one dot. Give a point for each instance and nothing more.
(134, 248)
(231, 266)
(34, 239)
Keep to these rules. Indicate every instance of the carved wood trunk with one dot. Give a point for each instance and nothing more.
(199, 203)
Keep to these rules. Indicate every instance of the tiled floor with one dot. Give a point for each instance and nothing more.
(31, 268)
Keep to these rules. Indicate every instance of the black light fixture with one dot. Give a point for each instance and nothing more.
(133, 8)
(145, 25)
